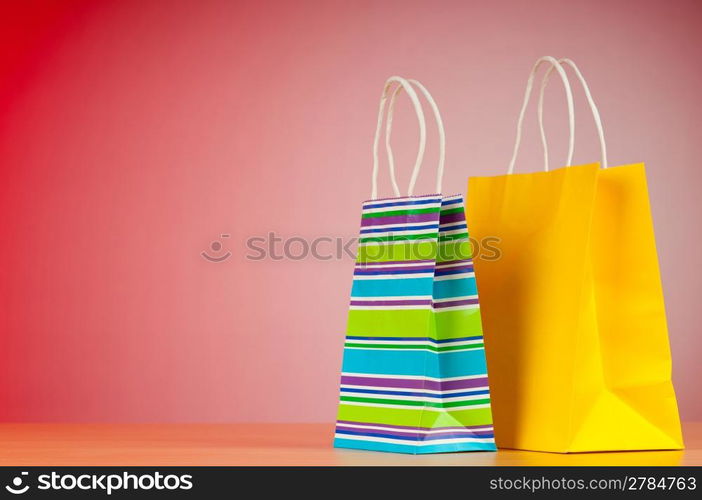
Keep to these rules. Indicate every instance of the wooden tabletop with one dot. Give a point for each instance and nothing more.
(267, 444)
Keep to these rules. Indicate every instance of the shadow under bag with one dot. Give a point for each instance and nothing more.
(414, 377)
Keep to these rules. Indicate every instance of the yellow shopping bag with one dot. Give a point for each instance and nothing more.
(573, 313)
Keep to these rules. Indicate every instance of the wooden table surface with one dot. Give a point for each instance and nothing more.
(267, 444)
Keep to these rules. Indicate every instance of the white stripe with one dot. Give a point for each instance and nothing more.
(381, 308)
(423, 408)
(400, 226)
(454, 264)
(423, 399)
(401, 199)
(402, 233)
(416, 342)
(454, 231)
(397, 297)
(462, 297)
(410, 389)
(413, 350)
(412, 377)
(456, 276)
(417, 431)
(421, 240)
(454, 223)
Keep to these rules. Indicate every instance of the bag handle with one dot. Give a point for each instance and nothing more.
(527, 95)
(440, 128)
(422, 133)
(590, 100)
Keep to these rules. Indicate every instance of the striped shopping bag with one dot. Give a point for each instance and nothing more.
(414, 377)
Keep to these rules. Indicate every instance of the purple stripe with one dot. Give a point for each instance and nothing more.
(408, 219)
(413, 428)
(465, 267)
(392, 270)
(432, 385)
(374, 264)
(455, 270)
(424, 437)
(404, 302)
(454, 303)
(457, 217)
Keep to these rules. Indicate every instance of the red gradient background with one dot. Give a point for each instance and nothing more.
(134, 133)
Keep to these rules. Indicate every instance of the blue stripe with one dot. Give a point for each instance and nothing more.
(392, 288)
(412, 449)
(446, 272)
(452, 202)
(428, 339)
(417, 394)
(416, 363)
(454, 288)
(432, 227)
(426, 201)
(453, 228)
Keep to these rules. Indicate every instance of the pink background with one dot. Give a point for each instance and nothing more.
(132, 134)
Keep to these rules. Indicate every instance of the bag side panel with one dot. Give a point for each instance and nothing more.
(458, 417)
(636, 408)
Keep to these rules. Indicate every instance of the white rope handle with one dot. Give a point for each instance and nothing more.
(590, 100)
(422, 133)
(527, 95)
(439, 126)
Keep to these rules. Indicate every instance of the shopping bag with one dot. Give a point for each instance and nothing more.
(575, 325)
(414, 378)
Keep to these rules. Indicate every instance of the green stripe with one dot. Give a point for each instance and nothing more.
(395, 213)
(422, 250)
(399, 237)
(458, 323)
(454, 250)
(391, 323)
(449, 237)
(467, 417)
(403, 402)
(416, 347)
(450, 211)
(414, 323)
(414, 417)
